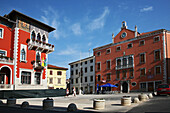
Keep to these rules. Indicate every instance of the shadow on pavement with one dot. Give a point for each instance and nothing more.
(116, 104)
(88, 108)
(37, 109)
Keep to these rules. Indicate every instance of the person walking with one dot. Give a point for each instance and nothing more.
(74, 91)
(67, 92)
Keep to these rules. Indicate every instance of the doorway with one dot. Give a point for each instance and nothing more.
(150, 86)
(5, 75)
(125, 87)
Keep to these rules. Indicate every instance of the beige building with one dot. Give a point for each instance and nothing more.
(56, 77)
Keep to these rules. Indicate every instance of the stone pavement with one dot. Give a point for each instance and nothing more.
(83, 102)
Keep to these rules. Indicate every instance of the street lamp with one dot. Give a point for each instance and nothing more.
(80, 73)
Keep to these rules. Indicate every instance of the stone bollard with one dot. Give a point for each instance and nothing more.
(1, 103)
(143, 97)
(126, 101)
(25, 104)
(48, 104)
(99, 104)
(147, 98)
(135, 100)
(154, 93)
(11, 101)
(150, 95)
(72, 107)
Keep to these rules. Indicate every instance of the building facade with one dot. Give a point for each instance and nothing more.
(134, 61)
(82, 75)
(24, 50)
(56, 77)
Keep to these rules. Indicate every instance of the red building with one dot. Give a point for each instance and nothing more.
(24, 50)
(134, 61)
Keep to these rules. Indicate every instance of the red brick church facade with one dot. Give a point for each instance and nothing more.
(134, 61)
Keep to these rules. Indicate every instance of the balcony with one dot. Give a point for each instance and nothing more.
(37, 65)
(39, 45)
(4, 59)
(5, 86)
(124, 66)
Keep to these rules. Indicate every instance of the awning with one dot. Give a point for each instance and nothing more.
(108, 85)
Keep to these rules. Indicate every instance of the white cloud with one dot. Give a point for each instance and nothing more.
(100, 21)
(76, 28)
(74, 51)
(68, 51)
(66, 20)
(45, 20)
(51, 17)
(150, 8)
(123, 6)
(89, 44)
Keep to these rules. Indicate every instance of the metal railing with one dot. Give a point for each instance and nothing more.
(6, 59)
(124, 66)
(41, 45)
(5, 86)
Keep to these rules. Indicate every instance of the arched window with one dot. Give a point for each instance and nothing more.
(44, 39)
(38, 56)
(130, 60)
(33, 35)
(23, 55)
(39, 37)
(124, 62)
(119, 63)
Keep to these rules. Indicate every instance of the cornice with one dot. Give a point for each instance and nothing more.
(132, 39)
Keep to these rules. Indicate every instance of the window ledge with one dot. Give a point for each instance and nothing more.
(23, 61)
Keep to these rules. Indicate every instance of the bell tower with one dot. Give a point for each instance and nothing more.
(124, 25)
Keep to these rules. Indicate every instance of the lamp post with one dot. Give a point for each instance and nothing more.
(80, 75)
(80, 81)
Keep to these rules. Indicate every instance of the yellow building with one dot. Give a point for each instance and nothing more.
(56, 77)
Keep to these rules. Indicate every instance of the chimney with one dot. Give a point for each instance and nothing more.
(112, 37)
(136, 32)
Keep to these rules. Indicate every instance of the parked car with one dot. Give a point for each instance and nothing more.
(163, 89)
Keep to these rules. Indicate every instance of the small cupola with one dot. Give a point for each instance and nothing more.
(136, 32)
(124, 25)
(112, 37)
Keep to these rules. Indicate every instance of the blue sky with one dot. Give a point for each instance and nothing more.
(82, 25)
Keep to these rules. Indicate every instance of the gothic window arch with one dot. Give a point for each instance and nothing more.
(33, 35)
(44, 39)
(38, 37)
(23, 55)
(38, 56)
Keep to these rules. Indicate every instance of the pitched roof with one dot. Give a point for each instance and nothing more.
(56, 67)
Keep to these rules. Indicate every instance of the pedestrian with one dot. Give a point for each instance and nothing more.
(67, 92)
(74, 91)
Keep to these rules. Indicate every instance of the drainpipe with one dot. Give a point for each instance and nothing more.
(167, 55)
(164, 58)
